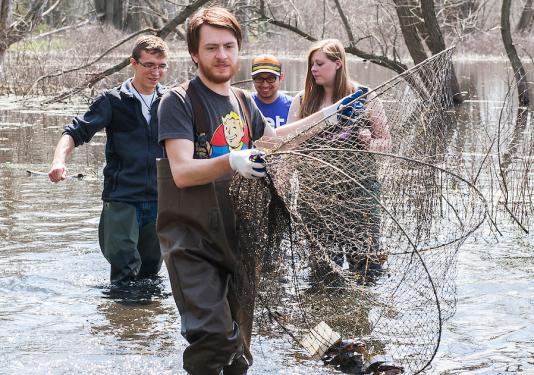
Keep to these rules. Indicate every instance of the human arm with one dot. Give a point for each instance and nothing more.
(80, 131)
(187, 171)
(297, 126)
(64, 148)
(294, 109)
(377, 137)
(177, 135)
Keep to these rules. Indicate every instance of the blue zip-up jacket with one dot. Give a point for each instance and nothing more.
(131, 147)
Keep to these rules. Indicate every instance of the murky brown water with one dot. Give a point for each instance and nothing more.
(57, 315)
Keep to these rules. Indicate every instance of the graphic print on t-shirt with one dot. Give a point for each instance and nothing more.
(230, 135)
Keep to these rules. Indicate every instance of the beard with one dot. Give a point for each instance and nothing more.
(211, 74)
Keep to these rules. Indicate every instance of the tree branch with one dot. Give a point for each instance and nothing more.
(292, 28)
(57, 74)
(64, 28)
(54, 6)
(180, 18)
(162, 33)
(346, 23)
(384, 61)
(25, 25)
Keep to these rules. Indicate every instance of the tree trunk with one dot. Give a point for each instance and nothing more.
(12, 31)
(406, 12)
(5, 12)
(517, 66)
(436, 43)
(125, 15)
(527, 18)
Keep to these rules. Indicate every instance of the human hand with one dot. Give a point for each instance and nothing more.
(349, 106)
(58, 172)
(346, 107)
(248, 163)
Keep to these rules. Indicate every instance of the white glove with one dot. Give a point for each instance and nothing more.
(248, 163)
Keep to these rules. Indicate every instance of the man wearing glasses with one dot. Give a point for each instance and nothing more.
(266, 75)
(128, 113)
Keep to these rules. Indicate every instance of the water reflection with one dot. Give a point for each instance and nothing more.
(133, 312)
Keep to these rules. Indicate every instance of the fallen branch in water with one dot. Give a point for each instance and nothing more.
(37, 173)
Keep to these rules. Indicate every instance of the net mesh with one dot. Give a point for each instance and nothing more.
(365, 241)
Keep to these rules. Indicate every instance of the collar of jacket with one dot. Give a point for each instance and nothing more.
(123, 89)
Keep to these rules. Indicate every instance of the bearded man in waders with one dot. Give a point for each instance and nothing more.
(208, 130)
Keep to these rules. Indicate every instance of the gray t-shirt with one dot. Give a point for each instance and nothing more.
(226, 131)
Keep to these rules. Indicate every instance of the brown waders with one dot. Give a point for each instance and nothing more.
(196, 228)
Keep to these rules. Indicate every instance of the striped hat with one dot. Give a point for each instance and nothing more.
(266, 64)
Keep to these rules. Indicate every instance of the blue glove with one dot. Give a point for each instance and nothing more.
(350, 106)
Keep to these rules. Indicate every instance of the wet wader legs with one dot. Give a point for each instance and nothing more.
(148, 244)
(365, 259)
(121, 237)
(209, 310)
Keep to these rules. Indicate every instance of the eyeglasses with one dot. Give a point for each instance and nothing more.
(260, 80)
(153, 67)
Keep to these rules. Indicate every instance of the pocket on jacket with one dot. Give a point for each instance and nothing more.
(115, 178)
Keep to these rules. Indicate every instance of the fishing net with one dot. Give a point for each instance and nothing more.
(512, 155)
(361, 239)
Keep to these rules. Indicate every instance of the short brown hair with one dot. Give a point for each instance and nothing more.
(151, 44)
(213, 16)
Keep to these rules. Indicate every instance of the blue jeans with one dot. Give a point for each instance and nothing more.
(146, 212)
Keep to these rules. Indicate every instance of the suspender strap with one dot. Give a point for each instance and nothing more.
(240, 95)
(200, 121)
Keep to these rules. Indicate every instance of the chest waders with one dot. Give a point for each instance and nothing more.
(362, 253)
(197, 231)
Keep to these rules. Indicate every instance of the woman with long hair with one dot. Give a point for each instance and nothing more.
(327, 82)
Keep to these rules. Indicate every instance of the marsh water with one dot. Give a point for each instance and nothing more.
(59, 316)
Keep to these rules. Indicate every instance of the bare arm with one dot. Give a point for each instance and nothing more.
(294, 109)
(187, 171)
(295, 125)
(64, 148)
(380, 136)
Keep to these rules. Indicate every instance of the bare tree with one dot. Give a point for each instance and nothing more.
(412, 29)
(460, 16)
(422, 34)
(436, 43)
(418, 23)
(133, 15)
(124, 15)
(526, 22)
(517, 66)
(15, 28)
(163, 33)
